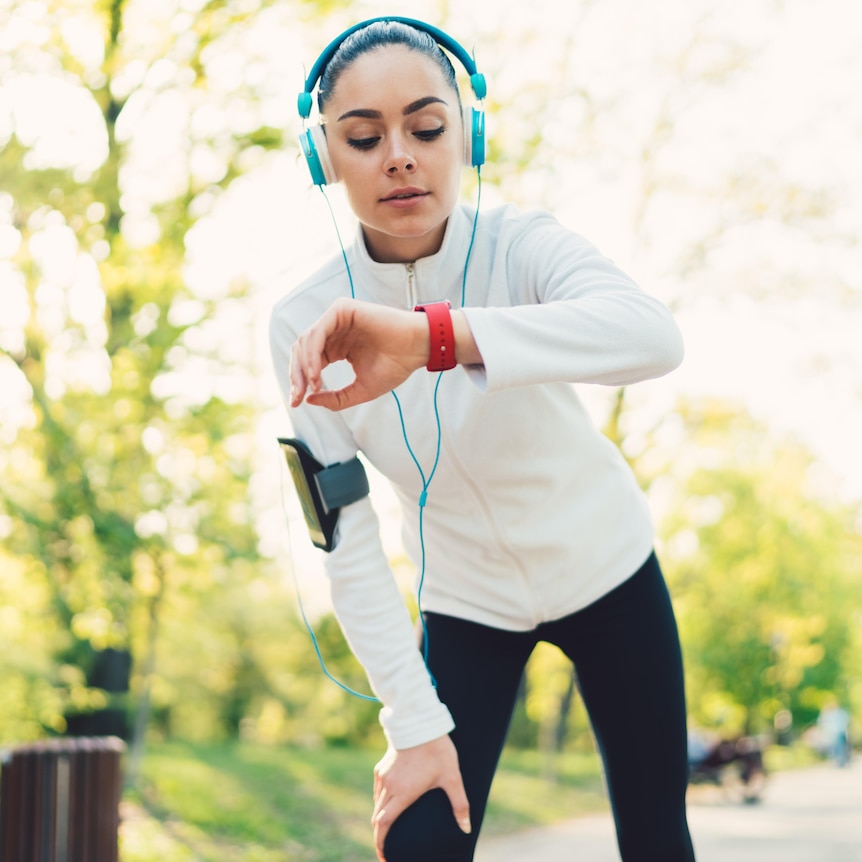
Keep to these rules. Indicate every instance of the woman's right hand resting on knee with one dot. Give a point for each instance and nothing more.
(401, 777)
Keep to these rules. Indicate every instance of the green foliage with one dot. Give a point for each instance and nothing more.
(765, 573)
(31, 699)
(549, 715)
(124, 498)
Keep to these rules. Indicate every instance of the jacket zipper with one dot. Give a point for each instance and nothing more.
(411, 285)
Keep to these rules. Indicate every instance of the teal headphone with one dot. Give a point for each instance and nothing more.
(313, 140)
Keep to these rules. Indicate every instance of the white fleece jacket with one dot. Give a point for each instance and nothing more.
(532, 513)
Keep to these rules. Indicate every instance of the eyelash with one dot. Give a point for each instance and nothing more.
(368, 143)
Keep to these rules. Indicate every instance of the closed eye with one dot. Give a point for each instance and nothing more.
(430, 134)
(370, 143)
(362, 143)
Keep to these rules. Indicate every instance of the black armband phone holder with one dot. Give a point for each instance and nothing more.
(323, 490)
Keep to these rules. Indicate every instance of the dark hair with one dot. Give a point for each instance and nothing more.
(380, 34)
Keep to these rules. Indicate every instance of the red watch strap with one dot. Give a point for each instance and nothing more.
(442, 354)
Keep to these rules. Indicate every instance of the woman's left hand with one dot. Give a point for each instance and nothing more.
(384, 345)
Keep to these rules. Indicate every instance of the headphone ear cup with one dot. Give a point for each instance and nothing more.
(316, 151)
(474, 137)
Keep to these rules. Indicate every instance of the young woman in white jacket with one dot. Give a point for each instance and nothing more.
(525, 522)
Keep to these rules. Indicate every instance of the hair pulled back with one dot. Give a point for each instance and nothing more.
(381, 34)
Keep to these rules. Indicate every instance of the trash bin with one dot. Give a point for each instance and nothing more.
(59, 800)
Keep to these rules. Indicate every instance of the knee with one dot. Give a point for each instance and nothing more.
(653, 847)
(427, 832)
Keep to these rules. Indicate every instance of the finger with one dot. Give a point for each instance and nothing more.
(378, 843)
(335, 399)
(460, 804)
(388, 809)
(378, 785)
(297, 377)
(310, 360)
(385, 818)
(314, 346)
(305, 368)
(380, 796)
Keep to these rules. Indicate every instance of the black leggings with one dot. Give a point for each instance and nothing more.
(625, 649)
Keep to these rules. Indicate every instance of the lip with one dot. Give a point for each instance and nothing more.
(414, 196)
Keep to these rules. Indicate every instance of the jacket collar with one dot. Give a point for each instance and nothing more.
(402, 285)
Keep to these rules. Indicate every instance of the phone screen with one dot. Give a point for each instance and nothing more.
(303, 466)
(305, 499)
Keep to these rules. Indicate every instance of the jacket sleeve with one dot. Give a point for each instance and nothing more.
(569, 315)
(365, 596)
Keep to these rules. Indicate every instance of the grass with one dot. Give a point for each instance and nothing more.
(251, 803)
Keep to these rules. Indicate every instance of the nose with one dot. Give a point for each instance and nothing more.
(399, 159)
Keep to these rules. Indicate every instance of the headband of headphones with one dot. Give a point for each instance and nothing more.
(477, 80)
(313, 141)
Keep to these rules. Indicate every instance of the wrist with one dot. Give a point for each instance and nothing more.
(441, 335)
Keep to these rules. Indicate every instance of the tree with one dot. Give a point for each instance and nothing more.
(764, 567)
(128, 455)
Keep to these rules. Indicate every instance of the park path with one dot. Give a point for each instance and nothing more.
(811, 815)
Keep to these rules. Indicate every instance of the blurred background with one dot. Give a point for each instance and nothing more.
(153, 209)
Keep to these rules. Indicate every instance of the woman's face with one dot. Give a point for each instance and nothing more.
(395, 137)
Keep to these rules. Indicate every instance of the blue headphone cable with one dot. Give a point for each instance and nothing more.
(426, 482)
(308, 626)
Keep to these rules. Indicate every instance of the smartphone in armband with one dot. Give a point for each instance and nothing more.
(323, 490)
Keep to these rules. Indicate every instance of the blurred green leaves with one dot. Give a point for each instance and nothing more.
(124, 491)
(765, 568)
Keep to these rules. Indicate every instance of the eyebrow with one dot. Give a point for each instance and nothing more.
(412, 108)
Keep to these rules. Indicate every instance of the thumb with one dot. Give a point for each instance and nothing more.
(460, 806)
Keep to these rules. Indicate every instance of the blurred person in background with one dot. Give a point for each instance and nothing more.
(834, 725)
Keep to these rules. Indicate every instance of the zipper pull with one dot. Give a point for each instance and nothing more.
(411, 284)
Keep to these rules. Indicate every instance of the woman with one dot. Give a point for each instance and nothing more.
(525, 522)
